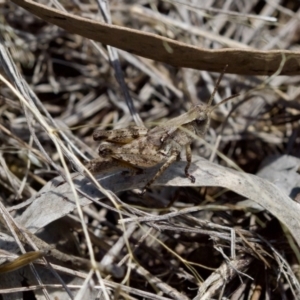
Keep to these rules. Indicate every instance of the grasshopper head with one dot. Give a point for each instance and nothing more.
(202, 121)
(202, 114)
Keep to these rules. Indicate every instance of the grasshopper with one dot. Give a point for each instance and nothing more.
(136, 148)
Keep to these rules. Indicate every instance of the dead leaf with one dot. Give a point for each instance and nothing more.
(239, 61)
(53, 201)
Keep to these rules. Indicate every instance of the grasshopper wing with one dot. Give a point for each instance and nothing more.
(165, 130)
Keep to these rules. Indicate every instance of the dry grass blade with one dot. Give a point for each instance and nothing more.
(220, 277)
(21, 261)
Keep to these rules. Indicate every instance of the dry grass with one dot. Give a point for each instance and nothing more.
(178, 241)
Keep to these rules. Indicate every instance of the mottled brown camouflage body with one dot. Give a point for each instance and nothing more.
(136, 148)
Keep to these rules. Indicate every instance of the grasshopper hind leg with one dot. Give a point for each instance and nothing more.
(101, 164)
(174, 156)
(164, 167)
(131, 169)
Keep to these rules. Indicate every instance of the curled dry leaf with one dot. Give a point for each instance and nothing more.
(246, 61)
(281, 170)
(56, 198)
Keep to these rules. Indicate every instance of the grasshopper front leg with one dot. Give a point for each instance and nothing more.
(188, 152)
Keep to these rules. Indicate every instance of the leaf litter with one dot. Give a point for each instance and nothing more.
(177, 238)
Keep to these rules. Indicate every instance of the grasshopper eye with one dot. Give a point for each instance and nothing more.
(104, 150)
(201, 118)
(200, 121)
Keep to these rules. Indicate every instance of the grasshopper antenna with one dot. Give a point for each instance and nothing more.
(216, 87)
(223, 101)
(211, 108)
